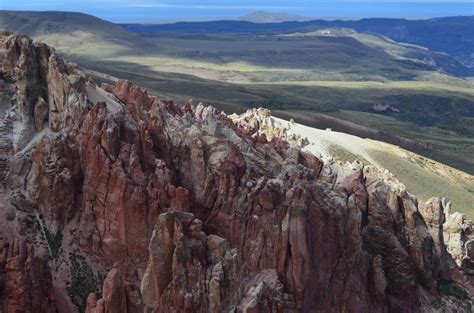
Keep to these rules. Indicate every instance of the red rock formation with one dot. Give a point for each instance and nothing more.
(117, 296)
(25, 280)
(183, 210)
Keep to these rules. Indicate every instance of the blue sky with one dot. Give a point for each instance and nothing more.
(168, 10)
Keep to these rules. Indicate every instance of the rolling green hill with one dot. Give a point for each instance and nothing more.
(72, 33)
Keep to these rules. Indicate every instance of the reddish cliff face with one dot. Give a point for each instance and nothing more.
(112, 200)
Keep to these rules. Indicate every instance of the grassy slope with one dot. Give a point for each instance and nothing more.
(424, 179)
(45, 23)
(441, 139)
(421, 176)
(73, 33)
(263, 58)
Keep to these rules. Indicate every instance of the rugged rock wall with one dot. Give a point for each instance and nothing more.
(117, 201)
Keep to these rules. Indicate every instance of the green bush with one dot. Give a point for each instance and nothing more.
(451, 288)
(54, 242)
(83, 282)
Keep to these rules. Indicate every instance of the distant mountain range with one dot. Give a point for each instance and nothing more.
(451, 35)
(273, 17)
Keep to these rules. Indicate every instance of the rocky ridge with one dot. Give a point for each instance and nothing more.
(113, 200)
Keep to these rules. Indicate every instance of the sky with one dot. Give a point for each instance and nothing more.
(169, 10)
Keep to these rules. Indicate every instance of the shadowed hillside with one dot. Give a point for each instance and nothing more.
(453, 35)
(69, 28)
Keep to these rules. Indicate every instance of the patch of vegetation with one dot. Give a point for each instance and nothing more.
(83, 282)
(451, 288)
(344, 155)
(425, 183)
(448, 142)
(54, 241)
